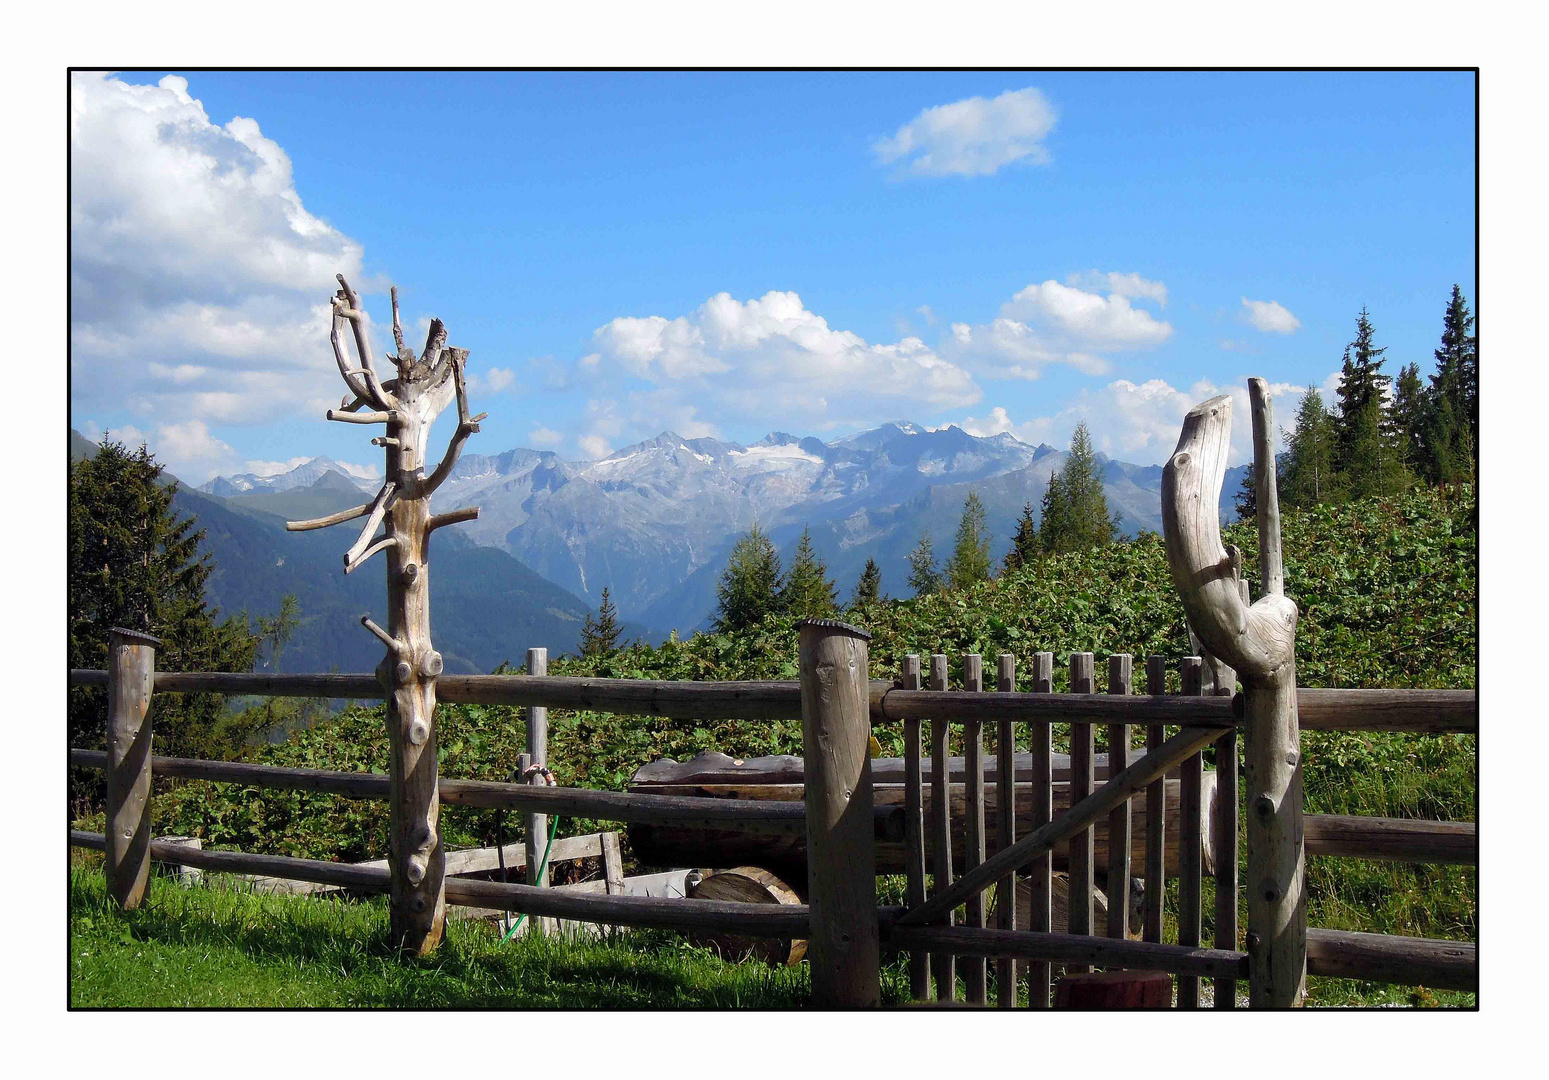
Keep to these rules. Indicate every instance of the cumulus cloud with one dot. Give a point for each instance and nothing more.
(200, 280)
(1137, 422)
(492, 381)
(545, 437)
(1131, 285)
(1051, 323)
(973, 137)
(744, 361)
(1270, 317)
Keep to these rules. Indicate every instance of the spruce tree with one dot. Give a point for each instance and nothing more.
(1369, 454)
(807, 592)
(924, 578)
(1452, 399)
(750, 583)
(1307, 474)
(600, 636)
(868, 590)
(1075, 509)
(1024, 544)
(970, 561)
(134, 562)
(1409, 419)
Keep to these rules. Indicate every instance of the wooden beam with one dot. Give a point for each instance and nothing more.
(1388, 958)
(1073, 950)
(1392, 839)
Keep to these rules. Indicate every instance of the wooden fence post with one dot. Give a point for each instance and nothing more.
(1191, 852)
(1156, 812)
(1006, 827)
(1120, 676)
(843, 946)
(1040, 885)
(131, 674)
(914, 830)
(538, 754)
(1082, 854)
(1259, 642)
(943, 964)
(976, 968)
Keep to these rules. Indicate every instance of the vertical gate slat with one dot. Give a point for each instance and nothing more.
(1190, 843)
(1156, 812)
(976, 971)
(942, 963)
(1040, 885)
(1006, 823)
(1082, 844)
(1224, 835)
(1120, 678)
(914, 830)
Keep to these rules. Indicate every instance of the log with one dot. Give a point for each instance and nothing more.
(712, 769)
(749, 885)
(1324, 709)
(1392, 839)
(843, 947)
(1388, 958)
(132, 663)
(1115, 990)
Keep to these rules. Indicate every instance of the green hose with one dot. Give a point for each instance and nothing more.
(542, 866)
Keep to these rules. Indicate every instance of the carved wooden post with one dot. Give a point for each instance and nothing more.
(131, 672)
(407, 405)
(843, 945)
(1259, 641)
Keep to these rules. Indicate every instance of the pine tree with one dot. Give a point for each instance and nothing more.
(970, 561)
(868, 590)
(1246, 501)
(750, 583)
(807, 592)
(135, 563)
(1452, 399)
(1075, 509)
(1409, 419)
(924, 578)
(1307, 474)
(600, 636)
(1368, 452)
(1024, 544)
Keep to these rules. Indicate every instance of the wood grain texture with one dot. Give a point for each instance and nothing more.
(131, 668)
(943, 967)
(1392, 839)
(1072, 950)
(1191, 846)
(1006, 829)
(536, 826)
(1082, 748)
(914, 828)
(843, 949)
(1040, 869)
(1156, 831)
(1389, 958)
(1120, 678)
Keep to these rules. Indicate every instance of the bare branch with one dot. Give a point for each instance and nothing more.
(398, 334)
(346, 305)
(351, 403)
(453, 517)
(363, 418)
(382, 544)
(383, 500)
(356, 384)
(397, 647)
(465, 428)
(435, 341)
(332, 519)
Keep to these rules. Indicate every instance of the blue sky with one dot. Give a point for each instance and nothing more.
(1007, 251)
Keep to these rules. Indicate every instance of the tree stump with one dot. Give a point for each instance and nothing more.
(749, 885)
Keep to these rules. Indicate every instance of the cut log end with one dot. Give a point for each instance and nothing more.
(749, 885)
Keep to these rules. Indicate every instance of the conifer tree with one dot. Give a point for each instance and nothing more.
(1246, 502)
(807, 592)
(1075, 509)
(1307, 474)
(1369, 455)
(749, 586)
(924, 578)
(1409, 419)
(1024, 544)
(600, 636)
(134, 562)
(868, 590)
(1452, 399)
(970, 561)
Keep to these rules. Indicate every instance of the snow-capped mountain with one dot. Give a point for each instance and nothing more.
(654, 522)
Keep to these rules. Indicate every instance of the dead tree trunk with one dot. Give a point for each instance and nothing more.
(1259, 642)
(407, 405)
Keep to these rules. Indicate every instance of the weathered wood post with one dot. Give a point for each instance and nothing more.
(407, 405)
(842, 946)
(1259, 641)
(537, 754)
(131, 674)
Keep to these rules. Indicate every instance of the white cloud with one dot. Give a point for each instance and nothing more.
(1140, 422)
(927, 314)
(200, 279)
(1270, 317)
(1057, 324)
(492, 381)
(542, 436)
(274, 468)
(594, 446)
(361, 472)
(746, 361)
(973, 137)
(1131, 285)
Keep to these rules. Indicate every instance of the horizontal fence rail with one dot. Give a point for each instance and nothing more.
(1392, 839)
(766, 816)
(1073, 949)
(1318, 709)
(1389, 958)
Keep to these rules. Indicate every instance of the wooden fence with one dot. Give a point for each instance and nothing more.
(842, 824)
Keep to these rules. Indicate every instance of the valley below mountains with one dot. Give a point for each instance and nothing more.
(655, 522)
